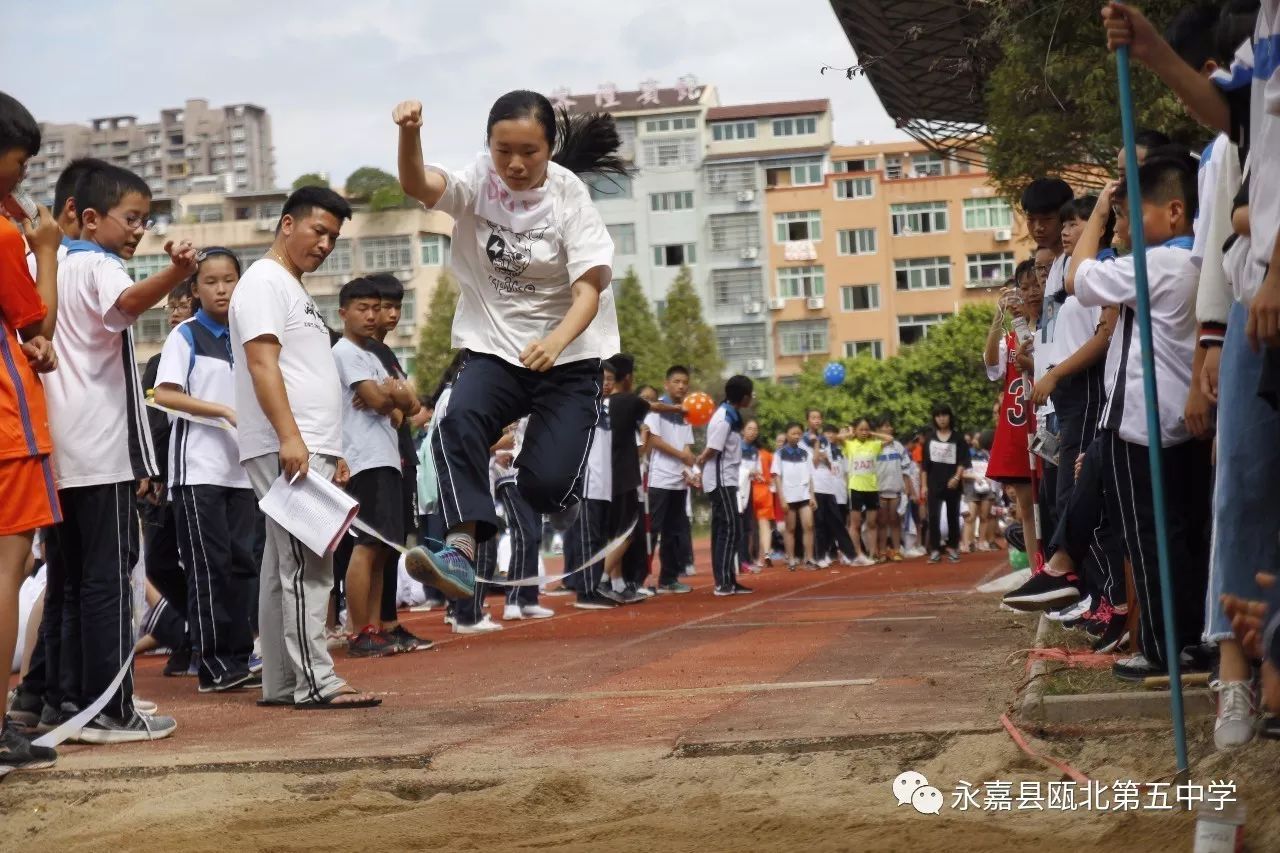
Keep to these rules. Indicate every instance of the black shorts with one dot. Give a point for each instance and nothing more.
(864, 501)
(381, 503)
(797, 504)
(624, 509)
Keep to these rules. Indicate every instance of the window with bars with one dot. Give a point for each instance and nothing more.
(737, 287)
(859, 297)
(328, 305)
(915, 327)
(670, 123)
(669, 201)
(801, 282)
(731, 232)
(383, 254)
(986, 214)
(892, 167)
(857, 241)
(743, 341)
(153, 326)
(922, 273)
(797, 225)
(674, 255)
(989, 269)
(731, 177)
(627, 135)
(848, 189)
(145, 266)
(924, 217)
(206, 212)
(434, 248)
(624, 238)
(725, 131)
(408, 318)
(608, 187)
(802, 126)
(802, 337)
(926, 165)
(677, 151)
(873, 348)
(339, 260)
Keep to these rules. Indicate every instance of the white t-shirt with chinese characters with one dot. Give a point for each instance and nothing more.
(97, 411)
(197, 358)
(793, 467)
(516, 255)
(368, 438)
(667, 472)
(1172, 279)
(723, 437)
(269, 301)
(1256, 66)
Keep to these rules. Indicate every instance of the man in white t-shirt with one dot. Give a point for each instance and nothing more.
(289, 411)
(720, 462)
(670, 462)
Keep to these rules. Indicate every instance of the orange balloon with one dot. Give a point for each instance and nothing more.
(698, 408)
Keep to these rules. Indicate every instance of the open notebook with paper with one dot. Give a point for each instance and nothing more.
(314, 511)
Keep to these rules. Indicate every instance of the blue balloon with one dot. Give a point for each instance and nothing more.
(834, 374)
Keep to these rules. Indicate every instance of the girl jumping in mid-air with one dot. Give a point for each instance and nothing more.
(533, 261)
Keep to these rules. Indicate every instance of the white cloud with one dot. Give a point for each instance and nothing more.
(329, 72)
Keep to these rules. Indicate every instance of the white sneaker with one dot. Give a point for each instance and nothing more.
(484, 626)
(824, 563)
(537, 611)
(1074, 611)
(1237, 716)
(864, 560)
(511, 612)
(690, 570)
(145, 707)
(334, 638)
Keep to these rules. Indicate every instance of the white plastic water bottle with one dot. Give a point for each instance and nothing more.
(1022, 330)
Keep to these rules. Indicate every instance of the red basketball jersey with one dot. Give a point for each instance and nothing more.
(1016, 424)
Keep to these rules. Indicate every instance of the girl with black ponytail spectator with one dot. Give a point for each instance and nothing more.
(533, 262)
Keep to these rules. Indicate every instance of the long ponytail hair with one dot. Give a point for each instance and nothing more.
(586, 143)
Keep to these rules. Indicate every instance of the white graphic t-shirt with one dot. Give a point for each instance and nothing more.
(516, 255)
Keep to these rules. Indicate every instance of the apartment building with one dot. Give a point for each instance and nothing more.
(231, 143)
(412, 244)
(891, 241)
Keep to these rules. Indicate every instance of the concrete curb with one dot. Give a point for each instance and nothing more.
(1033, 704)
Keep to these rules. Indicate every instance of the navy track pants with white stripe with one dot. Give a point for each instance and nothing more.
(724, 535)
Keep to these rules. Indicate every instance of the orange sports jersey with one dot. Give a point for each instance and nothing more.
(24, 422)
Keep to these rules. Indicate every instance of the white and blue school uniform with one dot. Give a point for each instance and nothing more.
(213, 501)
(1172, 281)
(720, 482)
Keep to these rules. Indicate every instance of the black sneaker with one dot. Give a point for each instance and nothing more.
(51, 717)
(727, 589)
(107, 729)
(675, 587)
(606, 591)
(229, 681)
(1115, 634)
(406, 640)
(591, 601)
(1043, 592)
(179, 663)
(24, 709)
(739, 589)
(18, 753)
(630, 595)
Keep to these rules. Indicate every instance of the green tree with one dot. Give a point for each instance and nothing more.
(639, 331)
(944, 367)
(690, 340)
(435, 346)
(389, 197)
(367, 180)
(1050, 92)
(311, 179)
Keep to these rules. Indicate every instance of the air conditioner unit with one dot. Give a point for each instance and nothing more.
(750, 253)
(1003, 235)
(747, 195)
(777, 304)
(815, 303)
(755, 365)
(751, 308)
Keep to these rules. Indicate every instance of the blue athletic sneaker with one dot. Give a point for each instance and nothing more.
(448, 570)
(255, 663)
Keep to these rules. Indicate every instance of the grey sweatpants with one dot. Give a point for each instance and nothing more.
(293, 601)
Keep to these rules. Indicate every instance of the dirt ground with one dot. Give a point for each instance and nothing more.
(690, 724)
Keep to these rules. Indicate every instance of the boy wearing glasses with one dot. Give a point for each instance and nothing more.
(103, 456)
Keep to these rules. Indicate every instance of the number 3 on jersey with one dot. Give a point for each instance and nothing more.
(1016, 410)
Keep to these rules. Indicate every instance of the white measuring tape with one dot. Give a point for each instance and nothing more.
(610, 546)
(79, 721)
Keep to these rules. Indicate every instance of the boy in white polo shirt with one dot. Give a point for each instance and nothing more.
(719, 462)
(213, 504)
(102, 455)
(289, 413)
(1168, 185)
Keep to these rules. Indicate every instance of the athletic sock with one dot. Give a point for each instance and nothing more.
(618, 584)
(463, 543)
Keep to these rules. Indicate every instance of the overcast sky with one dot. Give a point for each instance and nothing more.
(329, 72)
